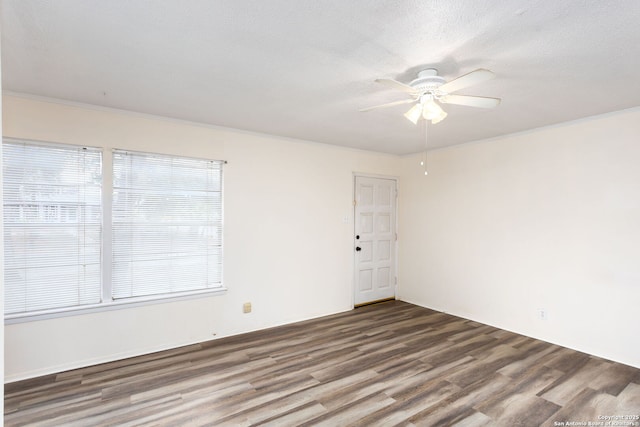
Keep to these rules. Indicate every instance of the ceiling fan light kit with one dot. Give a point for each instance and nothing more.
(429, 88)
(428, 109)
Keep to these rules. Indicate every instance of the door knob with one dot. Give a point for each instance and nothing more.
(358, 237)
(358, 248)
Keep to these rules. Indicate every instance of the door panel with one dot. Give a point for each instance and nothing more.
(375, 236)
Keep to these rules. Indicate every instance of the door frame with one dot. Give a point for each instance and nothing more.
(353, 231)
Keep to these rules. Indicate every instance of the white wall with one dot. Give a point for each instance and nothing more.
(287, 249)
(545, 219)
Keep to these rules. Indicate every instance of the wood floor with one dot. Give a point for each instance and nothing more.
(386, 364)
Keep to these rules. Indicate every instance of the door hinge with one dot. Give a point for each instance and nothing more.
(354, 203)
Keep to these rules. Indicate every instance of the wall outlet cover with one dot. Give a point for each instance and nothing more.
(543, 314)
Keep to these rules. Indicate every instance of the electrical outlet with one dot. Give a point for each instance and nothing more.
(542, 314)
(246, 307)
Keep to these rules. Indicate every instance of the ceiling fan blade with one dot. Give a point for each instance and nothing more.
(390, 104)
(478, 76)
(397, 85)
(471, 101)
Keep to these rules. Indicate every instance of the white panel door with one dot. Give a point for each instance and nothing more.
(375, 239)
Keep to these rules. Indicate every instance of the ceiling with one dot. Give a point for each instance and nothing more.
(303, 68)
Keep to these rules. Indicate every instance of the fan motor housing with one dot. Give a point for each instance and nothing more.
(427, 80)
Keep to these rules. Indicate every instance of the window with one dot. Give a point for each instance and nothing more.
(52, 226)
(163, 224)
(167, 224)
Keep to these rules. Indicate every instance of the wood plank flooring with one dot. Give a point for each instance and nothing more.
(387, 364)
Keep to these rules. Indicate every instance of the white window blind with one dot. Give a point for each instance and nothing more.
(52, 226)
(167, 224)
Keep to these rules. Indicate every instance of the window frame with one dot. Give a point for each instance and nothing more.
(108, 303)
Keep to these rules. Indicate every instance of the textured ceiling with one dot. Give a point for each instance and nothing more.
(303, 68)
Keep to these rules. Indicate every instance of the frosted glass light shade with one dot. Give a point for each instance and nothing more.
(414, 113)
(431, 110)
(440, 118)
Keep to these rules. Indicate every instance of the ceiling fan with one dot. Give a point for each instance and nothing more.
(430, 88)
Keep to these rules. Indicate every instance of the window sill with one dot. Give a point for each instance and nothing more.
(112, 305)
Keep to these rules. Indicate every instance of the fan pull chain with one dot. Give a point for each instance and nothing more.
(423, 162)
